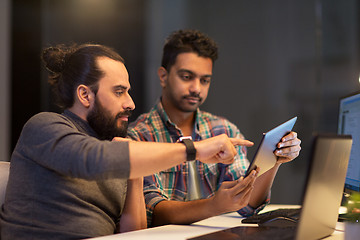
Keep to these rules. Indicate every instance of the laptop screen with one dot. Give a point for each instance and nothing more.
(349, 115)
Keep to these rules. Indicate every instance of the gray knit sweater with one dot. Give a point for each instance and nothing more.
(64, 183)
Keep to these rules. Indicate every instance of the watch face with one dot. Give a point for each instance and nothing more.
(187, 137)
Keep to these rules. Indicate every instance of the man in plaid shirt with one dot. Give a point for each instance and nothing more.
(193, 191)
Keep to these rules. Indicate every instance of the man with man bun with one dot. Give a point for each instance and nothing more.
(73, 175)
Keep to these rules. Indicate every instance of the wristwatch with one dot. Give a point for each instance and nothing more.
(190, 148)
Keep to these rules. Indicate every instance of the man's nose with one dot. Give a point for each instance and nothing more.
(195, 85)
(129, 103)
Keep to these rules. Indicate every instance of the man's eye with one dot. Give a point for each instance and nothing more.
(205, 81)
(186, 77)
(119, 93)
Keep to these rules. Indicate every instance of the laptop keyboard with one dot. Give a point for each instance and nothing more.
(292, 213)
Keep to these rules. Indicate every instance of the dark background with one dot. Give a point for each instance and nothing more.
(277, 59)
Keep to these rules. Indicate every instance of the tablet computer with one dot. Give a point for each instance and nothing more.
(264, 156)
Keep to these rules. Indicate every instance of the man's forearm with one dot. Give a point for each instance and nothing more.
(177, 212)
(231, 196)
(147, 158)
(262, 186)
(134, 213)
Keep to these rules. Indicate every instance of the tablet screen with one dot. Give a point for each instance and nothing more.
(264, 156)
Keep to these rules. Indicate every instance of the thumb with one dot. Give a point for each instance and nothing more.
(228, 184)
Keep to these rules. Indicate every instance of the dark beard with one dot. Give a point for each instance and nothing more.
(104, 124)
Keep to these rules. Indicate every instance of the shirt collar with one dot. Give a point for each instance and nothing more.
(167, 121)
(82, 125)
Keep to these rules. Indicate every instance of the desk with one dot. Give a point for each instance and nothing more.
(213, 224)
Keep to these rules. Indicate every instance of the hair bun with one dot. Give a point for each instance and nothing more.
(54, 59)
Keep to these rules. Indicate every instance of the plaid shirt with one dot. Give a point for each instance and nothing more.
(171, 184)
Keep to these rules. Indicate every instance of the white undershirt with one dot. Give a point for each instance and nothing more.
(194, 192)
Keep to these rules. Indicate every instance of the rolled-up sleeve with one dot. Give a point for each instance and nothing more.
(153, 193)
(249, 211)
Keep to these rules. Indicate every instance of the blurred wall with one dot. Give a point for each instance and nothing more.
(277, 59)
(4, 79)
(25, 63)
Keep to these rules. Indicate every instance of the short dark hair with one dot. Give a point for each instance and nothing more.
(183, 41)
(70, 66)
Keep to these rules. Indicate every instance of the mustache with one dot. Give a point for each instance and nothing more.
(193, 95)
(126, 113)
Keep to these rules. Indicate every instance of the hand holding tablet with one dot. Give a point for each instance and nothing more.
(264, 156)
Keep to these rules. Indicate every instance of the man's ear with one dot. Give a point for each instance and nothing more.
(163, 75)
(84, 95)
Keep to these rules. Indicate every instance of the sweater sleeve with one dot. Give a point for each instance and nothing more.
(53, 141)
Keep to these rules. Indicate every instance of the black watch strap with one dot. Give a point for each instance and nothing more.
(190, 148)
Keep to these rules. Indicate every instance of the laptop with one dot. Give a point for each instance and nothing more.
(321, 198)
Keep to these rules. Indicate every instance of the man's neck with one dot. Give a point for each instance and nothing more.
(79, 111)
(183, 120)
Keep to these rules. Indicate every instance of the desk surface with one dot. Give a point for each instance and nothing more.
(213, 224)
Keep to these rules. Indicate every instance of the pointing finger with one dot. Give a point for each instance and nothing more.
(241, 142)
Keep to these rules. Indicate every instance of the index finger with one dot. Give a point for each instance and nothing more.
(241, 142)
(121, 139)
